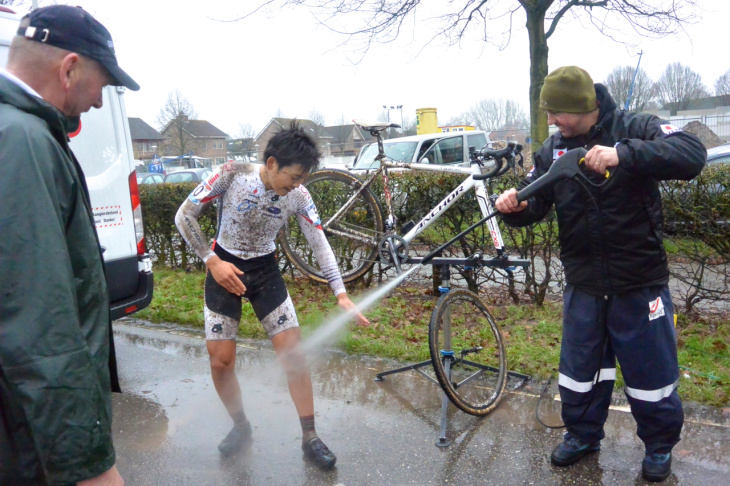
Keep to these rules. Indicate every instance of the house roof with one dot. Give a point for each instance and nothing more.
(200, 129)
(140, 130)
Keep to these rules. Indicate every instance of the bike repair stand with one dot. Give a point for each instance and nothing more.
(445, 266)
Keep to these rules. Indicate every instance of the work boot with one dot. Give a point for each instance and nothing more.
(239, 435)
(318, 453)
(657, 467)
(571, 450)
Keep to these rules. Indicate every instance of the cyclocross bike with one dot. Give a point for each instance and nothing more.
(465, 344)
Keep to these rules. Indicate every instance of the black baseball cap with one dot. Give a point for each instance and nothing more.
(75, 30)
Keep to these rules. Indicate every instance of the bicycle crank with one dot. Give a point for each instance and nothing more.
(393, 250)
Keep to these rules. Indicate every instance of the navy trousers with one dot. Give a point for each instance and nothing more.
(637, 328)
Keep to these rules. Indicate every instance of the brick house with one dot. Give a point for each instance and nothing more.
(333, 141)
(200, 137)
(146, 141)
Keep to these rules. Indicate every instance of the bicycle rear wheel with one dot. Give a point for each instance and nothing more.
(354, 237)
(467, 352)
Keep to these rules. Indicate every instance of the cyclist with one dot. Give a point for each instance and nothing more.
(617, 303)
(255, 201)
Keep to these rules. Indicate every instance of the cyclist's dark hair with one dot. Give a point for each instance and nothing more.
(292, 146)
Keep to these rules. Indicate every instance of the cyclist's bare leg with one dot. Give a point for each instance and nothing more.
(222, 366)
(288, 349)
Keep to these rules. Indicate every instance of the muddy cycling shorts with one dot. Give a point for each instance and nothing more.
(265, 289)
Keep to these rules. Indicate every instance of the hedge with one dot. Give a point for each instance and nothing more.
(697, 215)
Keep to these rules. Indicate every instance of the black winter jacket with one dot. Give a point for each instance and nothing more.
(611, 236)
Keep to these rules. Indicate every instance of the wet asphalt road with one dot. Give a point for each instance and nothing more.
(169, 421)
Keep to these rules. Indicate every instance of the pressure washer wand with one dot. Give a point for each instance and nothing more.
(565, 167)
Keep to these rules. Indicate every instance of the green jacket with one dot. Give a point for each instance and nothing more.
(55, 383)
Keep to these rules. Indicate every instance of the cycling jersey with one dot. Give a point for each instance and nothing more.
(252, 216)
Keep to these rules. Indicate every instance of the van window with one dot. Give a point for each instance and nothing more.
(476, 140)
(400, 151)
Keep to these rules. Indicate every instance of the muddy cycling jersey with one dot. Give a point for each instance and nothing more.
(251, 217)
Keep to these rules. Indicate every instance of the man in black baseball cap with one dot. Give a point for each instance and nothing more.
(57, 367)
(75, 30)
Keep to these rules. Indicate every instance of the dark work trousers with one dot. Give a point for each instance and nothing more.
(636, 327)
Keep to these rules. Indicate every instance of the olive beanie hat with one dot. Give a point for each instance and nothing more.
(568, 89)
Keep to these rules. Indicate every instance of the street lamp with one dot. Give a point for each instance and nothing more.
(395, 107)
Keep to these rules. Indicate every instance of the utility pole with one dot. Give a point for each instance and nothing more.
(631, 89)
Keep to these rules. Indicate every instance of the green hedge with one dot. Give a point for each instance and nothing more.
(160, 203)
(697, 215)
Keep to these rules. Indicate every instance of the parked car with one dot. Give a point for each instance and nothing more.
(434, 148)
(188, 175)
(150, 178)
(719, 155)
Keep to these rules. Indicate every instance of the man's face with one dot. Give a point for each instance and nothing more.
(286, 179)
(85, 91)
(572, 124)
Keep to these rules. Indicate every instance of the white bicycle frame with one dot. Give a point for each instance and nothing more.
(469, 183)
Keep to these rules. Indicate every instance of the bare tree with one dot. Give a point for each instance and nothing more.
(619, 83)
(246, 135)
(722, 87)
(317, 117)
(364, 22)
(678, 87)
(496, 113)
(173, 121)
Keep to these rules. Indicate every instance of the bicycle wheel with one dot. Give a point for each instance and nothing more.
(467, 352)
(354, 237)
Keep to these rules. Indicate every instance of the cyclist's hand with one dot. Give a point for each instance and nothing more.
(507, 202)
(226, 274)
(600, 158)
(346, 304)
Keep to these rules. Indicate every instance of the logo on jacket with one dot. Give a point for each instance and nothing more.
(668, 129)
(282, 319)
(656, 309)
(217, 329)
(274, 210)
(246, 205)
(558, 153)
(275, 198)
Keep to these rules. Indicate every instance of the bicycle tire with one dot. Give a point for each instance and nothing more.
(474, 381)
(330, 190)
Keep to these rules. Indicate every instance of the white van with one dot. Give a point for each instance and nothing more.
(450, 148)
(104, 148)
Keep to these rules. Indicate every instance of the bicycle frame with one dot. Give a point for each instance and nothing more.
(469, 183)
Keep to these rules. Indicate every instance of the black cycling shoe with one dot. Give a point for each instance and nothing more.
(318, 453)
(657, 467)
(239, 435)
(571, 451)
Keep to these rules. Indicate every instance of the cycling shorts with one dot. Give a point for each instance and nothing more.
(265, 289)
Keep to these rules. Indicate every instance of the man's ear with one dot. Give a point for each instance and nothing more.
(271, 163)
(68, 71)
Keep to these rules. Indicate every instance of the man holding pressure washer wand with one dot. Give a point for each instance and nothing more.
(617, 303)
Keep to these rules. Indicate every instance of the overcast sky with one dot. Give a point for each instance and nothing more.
(285, 62)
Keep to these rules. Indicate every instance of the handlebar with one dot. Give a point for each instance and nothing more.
(509, 152)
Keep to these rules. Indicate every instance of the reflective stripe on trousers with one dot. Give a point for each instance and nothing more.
(637, 328)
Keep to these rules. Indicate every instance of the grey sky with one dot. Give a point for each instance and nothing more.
(247, 71)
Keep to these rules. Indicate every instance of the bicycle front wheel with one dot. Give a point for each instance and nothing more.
(354, 237)
(467, 352)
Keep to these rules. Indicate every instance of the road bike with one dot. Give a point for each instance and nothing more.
(465, 343)
(353, 219)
